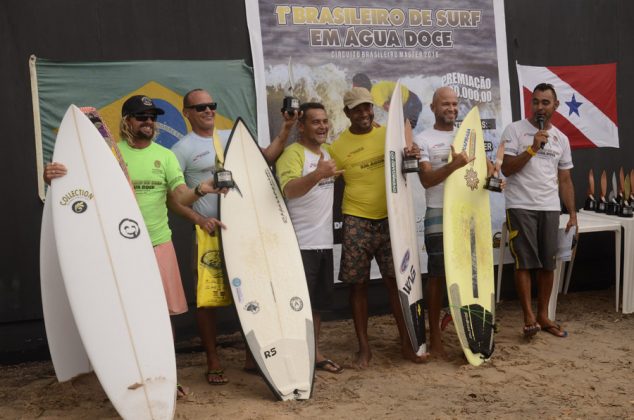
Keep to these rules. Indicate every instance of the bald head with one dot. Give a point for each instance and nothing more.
(444, 92)
(203, 120)
(444, 105)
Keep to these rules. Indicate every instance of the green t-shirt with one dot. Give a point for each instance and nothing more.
(154, 171)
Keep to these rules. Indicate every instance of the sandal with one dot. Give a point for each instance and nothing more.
(216, 377)
(181, 391)
(328, 365)
(445, 321)
(556, 330)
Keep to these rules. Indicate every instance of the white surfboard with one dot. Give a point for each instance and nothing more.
(64, 343)
(402, 220)
(111, 276)
(265, 270)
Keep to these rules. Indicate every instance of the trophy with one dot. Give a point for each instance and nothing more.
(612, 207)
(222, 177)
(620, 198)
(410, 163)
(591, 202)
(290, 104)
(626, 187)
(494, 183)
(631, 194)
(604, 186)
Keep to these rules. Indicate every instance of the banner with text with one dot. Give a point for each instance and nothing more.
(318, 50)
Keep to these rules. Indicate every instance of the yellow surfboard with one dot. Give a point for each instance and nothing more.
(468, 247)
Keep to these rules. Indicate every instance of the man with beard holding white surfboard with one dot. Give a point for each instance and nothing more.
(537, 163)
(307, 179)
(155, 173)
(198, 153)
(359, 151)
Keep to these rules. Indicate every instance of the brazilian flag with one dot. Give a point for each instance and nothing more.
(106, 85)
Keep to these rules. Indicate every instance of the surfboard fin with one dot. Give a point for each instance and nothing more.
(237, 189)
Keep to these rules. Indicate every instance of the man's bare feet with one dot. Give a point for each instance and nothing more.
(362, 360)
(438, 353)
(409, 354)
(436, 348)
(249, 363)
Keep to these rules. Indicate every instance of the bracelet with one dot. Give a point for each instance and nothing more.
(198, 191)
(530, 151)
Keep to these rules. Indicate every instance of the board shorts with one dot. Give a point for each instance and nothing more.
(221, 288)
(363, 239)
(434, 244)
(171, 277)
(533, 238)
(320, 277)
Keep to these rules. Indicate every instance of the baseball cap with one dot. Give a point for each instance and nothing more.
(357, 96)
(138, 104)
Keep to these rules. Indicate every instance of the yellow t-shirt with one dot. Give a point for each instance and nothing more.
(361, 156)
(382, 92)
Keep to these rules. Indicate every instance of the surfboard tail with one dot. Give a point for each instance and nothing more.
(415, 322)
(474, 325)
(283, 372)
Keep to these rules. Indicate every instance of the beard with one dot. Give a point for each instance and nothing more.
(141, 134)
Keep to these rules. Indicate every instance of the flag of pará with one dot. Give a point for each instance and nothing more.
(587, 101)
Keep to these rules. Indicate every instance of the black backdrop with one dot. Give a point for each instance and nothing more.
(539, 32)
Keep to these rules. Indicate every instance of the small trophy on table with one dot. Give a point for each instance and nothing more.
(631, 194)
(604, 186)
(626, 191)
(612, 207)
(591, 202)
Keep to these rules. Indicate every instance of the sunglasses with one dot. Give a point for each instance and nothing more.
(144, 117)
(203, 107)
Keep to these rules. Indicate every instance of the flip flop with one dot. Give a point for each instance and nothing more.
(530, 330)
(216, 377)
(445, 321)
(328, 365)
(556, 330)
(181, 391)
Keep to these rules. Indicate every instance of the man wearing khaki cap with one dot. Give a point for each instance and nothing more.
(359, 152)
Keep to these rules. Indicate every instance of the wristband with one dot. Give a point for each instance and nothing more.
(530, 151)
(198, 191)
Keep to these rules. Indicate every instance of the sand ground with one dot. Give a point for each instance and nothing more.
(590, 374)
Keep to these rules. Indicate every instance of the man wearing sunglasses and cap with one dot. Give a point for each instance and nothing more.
(155, 174)
(198, 154)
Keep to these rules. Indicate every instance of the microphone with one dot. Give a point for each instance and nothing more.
(540, 123)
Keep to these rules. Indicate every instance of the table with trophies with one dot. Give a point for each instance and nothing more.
(611, 214)
(616, 207)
